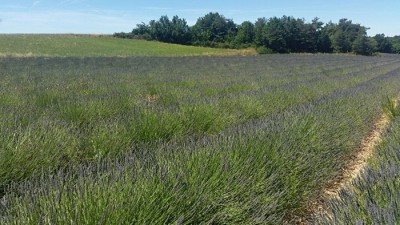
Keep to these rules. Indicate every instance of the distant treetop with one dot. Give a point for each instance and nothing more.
(282, 35)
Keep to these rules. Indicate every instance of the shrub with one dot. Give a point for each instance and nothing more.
(264, 50)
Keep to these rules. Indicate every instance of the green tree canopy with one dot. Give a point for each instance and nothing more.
(383, 44)
(245, 35)
(362, 45)
(164, 30)
(395, 43)
(213, 28)
(260, 37)
(284, 34)
(343, 35)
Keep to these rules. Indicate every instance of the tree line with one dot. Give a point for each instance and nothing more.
(281, 35)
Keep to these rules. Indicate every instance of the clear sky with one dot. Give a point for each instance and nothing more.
(109, 16)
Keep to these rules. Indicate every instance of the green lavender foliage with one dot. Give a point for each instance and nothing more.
(373, 198)
(221, 140)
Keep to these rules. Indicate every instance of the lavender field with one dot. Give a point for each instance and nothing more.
(181, 140)
(374, 197)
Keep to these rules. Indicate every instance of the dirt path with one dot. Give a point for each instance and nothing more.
(350, 172)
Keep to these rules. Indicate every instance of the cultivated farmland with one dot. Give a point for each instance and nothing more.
(374, 197)
(185, 140)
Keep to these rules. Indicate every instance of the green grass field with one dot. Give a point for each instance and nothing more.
(179, 140)
(99, 46)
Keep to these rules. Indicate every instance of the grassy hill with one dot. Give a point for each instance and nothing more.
(98, 46)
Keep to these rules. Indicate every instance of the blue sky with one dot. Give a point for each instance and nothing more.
(107, 17)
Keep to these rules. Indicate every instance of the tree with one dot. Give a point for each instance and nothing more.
(312, 35)
(293, 33)
(164, 30)
(245, 35)
(395, 43)
(324, 43)
(343, 35)
(213, 28)
(362, 45)
(142, 31)
(383, 44)
(275, 34)
(260, 37)
(180, 31)
(339, 41)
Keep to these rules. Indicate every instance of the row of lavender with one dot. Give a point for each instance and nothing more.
(374, 197)
(141, 159)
